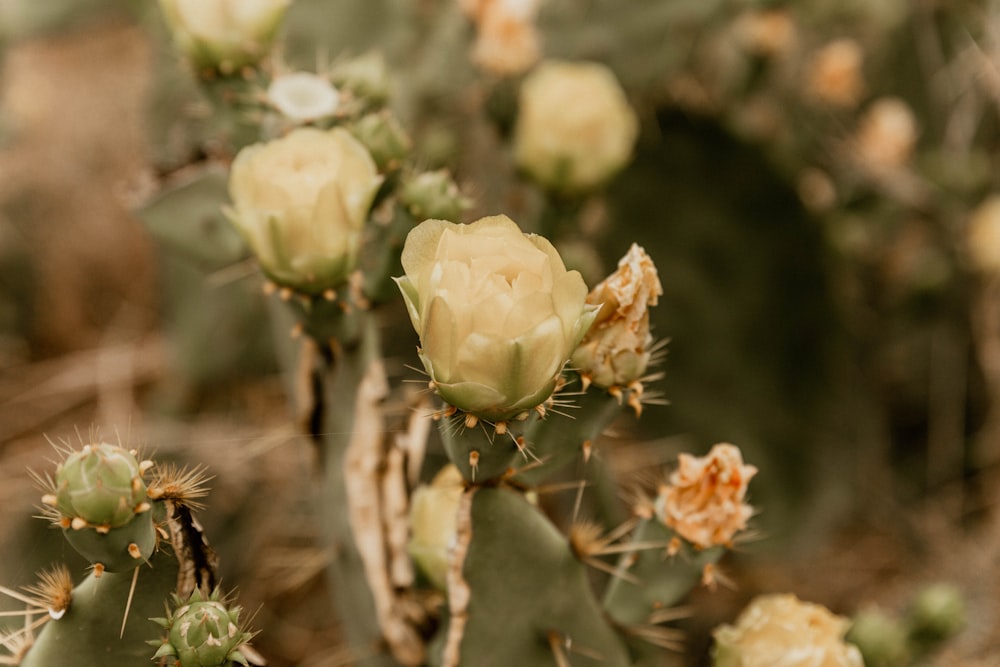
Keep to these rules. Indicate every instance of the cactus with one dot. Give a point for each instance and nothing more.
(145, 548)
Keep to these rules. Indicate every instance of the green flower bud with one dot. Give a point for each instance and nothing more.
(497, 313)
(384, 138)
(301, 203)
(937, 613)
(433, 194)
(103, 507)
(880, 637)
(575, 128)
(367, 77)
(203, 633)
(101, 484)
(224, 35)
(433, 516)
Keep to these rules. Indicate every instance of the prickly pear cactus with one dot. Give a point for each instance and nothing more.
(103, 508)
(203, 632)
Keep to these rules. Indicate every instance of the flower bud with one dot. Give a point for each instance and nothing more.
(615, 352)
(433, 194)
(704, 501)
(575, 128)
(301, 203)
(366, 77)
(203, 633)
(384, 138)
(303, 97)
(782, 630)
(496, 310)
(880, 637)
(937, 613)
(101, 484)
(433, 516)
(224, 35)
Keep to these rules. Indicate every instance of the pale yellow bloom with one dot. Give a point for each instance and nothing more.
(704, 501)
(497, 313)
(433, 518)
(782, 631)
(982, 236)
(224, 34)
(616, 349)
(886, 134)
(834, 75)
(506, 44)
(301, 203)
(575, 128)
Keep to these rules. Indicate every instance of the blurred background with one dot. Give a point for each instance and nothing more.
(815, 180)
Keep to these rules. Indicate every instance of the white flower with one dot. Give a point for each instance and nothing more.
(224, 34)
(497, 313)
(301, 203)
(782, 631)
(575, 128)
(303, 96)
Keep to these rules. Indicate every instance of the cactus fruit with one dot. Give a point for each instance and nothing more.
(203, 632)
(99, 499)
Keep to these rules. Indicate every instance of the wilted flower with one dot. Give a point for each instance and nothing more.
(575, 128)
(704, 500)
(834, 74)
(497, 313)
(303, 96)
(224, 34)
(886, 134)
(301, 202)
(616, 349)
(982, 236)
(782, 631)
(507, 41)
(433, 519)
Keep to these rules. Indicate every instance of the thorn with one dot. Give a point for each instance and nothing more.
(474, 463)
(616, 391)
(103, 529)
(128, 603)
(471, 421)
(674, 547)
(136, 484)
(500, 428)
(588, 449)
(540, 409)
(98, 570)
(134, 551)
(50, 499)
(523, 416)
(269, 288)
(330, 295)
(296, 331)
(64, 522)
(585, 381)
(142, 507)
(285, 294)
(144, 466)
(78, 523)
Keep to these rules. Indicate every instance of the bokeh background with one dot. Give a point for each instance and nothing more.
(807, 182)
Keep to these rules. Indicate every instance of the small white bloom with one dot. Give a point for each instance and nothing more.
(303, 96)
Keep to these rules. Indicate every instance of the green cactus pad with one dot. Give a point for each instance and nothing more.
(203, 632)
(663, 580)
(88, 634)
(101, 484)
(526, 591)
